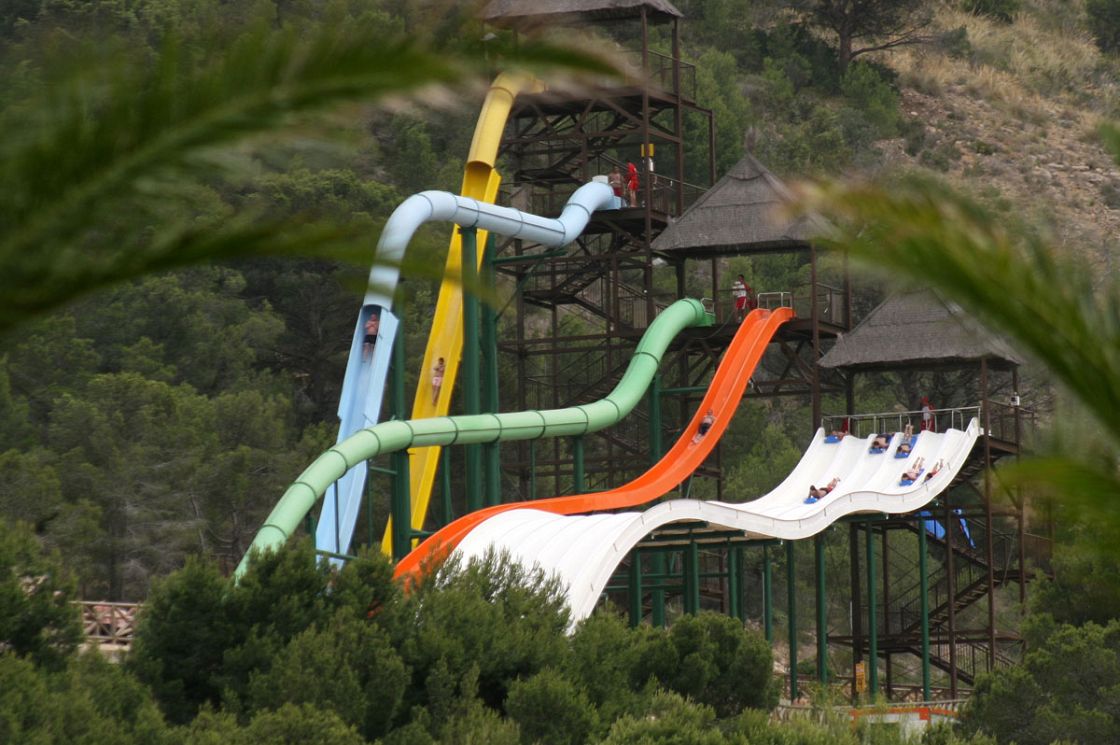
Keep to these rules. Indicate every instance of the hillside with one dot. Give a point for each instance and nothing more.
(1010, 112)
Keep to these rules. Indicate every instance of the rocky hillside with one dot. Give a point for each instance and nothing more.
(1010, 112)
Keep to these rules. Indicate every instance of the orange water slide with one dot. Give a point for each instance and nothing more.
(685, 456)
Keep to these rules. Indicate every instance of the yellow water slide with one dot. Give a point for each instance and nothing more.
(480, 181)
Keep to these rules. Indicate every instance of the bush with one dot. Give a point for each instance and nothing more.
(718, 663)
(867, 90)
(36, 618)
(550, 710)
(999, 10)
(955, 43)
(1104, 23)
(1065, 689)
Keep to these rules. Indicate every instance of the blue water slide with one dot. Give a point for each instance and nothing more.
(363, 388)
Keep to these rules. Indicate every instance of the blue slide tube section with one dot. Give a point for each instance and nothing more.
(363, 387)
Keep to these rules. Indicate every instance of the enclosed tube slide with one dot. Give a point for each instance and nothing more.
(584, 550)
(365, 378)
(445, 339)
(388, 437)
(722, 398)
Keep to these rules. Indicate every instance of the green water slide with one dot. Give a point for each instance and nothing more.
(394, 436)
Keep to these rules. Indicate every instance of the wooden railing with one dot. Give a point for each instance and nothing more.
(108, 626)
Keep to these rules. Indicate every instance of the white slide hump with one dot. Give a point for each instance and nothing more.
(583, 550)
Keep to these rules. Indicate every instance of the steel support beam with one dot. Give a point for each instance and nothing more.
(822, 612)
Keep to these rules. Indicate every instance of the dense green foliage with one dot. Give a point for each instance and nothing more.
(300, 650)
(1104, 23)
(36, 621)
(1001, 10)
(302, 653)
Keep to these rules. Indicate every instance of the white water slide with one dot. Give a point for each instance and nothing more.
(584, 550)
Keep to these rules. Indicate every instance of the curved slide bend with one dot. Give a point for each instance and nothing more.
(723, 397)
(365, 379)
(389, 437)
(585, 550)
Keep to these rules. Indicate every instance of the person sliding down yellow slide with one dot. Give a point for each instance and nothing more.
(480, 181)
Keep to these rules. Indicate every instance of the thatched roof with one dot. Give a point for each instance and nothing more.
(917, 329)
(536, 12)
(742, 212)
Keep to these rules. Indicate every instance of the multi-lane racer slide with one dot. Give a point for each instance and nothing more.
(584, 550)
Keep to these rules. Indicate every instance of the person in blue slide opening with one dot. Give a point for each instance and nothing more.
(373, 323)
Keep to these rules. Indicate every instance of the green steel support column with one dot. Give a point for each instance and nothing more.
(401, 506)
(635, 587)
(692, 578)
(369, 504)
(872, 623)
(923, 573)
(492, 450)
(532, 469)
(734, 582)
(822, 613)
(767, 596)
(577, 465)
(657, 597)
(655, 446)
(791, 603)
(445, 485)
(471, 365)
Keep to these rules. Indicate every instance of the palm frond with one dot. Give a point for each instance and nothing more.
(1075, 488)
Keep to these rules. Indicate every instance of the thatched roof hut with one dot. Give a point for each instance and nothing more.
(742, 213)
(918, 329)
(537, 12)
